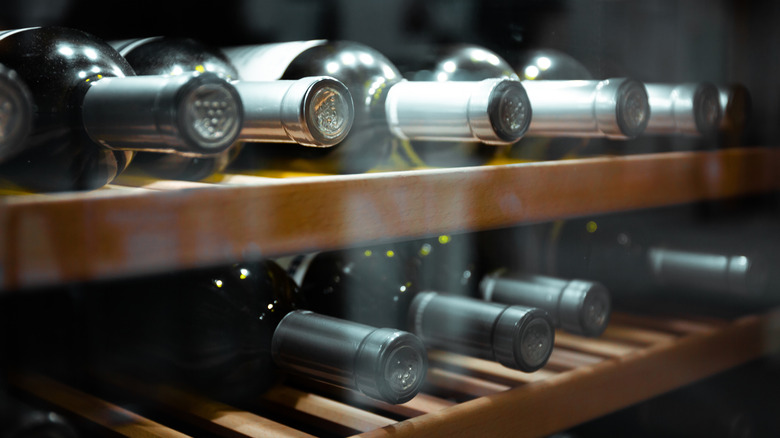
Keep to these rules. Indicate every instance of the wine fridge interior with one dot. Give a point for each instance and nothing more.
(402, 218)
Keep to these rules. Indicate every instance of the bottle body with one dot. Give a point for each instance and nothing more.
(58, 154)
(378, 286)
(314, 112)
(664, 257)
(90, 109)
(388, 110)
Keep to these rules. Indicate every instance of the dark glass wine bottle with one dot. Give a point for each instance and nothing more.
(388, 109)
(314, 111)
(471, 265)
(662, 256)
(377, 286)
(453, 64)
(735, 107)
(16, 112)
(228, 331)
(91, 112)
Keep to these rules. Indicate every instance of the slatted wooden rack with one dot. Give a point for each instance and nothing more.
(637, 357)
(136, 227)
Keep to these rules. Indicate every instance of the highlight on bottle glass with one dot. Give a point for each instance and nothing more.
(15, 112)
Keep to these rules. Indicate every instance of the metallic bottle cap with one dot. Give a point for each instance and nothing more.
(15, 113)
(509, 110)
(391, 365)
(523, 338)
(209, 114)
(318, 111)
(622, 108)
(584, 308)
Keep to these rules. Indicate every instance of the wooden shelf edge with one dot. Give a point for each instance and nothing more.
(52, 239)
(541, 408)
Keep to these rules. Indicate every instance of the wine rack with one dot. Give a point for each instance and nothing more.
(137, 226)
(636, 358)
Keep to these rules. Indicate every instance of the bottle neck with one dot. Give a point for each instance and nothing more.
(493, 111)
(612, 108)
(385, 364)
(314, 111)
(192, 114)
(687, 109)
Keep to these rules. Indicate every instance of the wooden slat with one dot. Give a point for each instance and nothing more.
(98, 411)
(541, 408)
(459, 385)
(635, 335)
(664, 324)
(486, 369)
(599, 347)
(564, 360)
(73, 237)
(326, 409)
(219, 418)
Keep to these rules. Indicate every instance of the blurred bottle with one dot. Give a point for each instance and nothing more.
(480, 266)
(228, 332)
(21, 420)
(665, 257)
(735, 106)
(387, 109)
(90, 113)
(683, 109)
(315, 112)
(377, 285)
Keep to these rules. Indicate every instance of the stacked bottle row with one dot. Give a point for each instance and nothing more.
(79, 110)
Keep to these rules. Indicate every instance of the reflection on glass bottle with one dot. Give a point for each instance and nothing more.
(314, 112)
(16, 112)
(91, 111)
(387, 109)
(378, 286)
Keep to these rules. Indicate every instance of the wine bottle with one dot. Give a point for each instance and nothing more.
(461, 63)
(735, 104)
(661, 257)
(228, 331)
(469, 265)
(685, 109)
(387, 109)
(577, 306)
(16, 109)
(313, 111)
(91, 112)
(376, 285)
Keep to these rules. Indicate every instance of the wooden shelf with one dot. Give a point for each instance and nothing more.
(638, 357)
(165, 225)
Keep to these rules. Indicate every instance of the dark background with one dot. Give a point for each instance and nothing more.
(651, 40)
